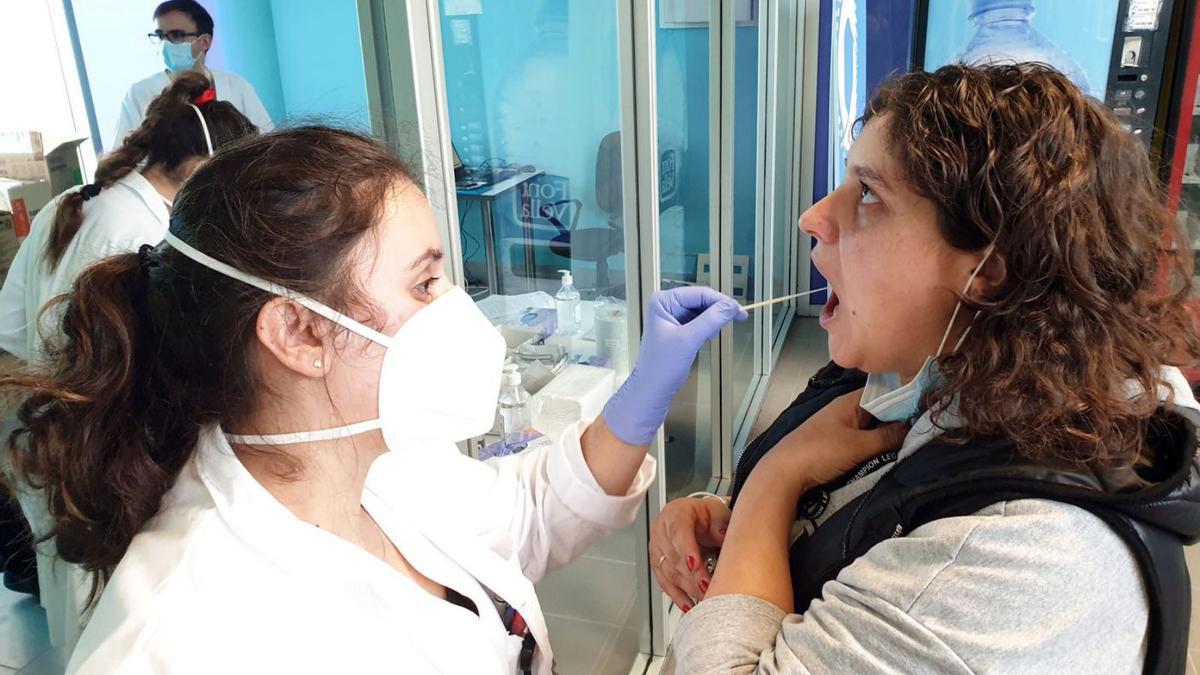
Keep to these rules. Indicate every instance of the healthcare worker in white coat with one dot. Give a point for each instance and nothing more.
(249, 435)
(185, 32)
(124, 208)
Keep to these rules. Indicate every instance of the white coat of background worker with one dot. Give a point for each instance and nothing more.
(126, 207)
(185, 31)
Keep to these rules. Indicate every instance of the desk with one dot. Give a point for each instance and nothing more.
(486, 195)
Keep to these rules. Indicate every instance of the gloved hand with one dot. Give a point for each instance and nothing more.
(678, 323)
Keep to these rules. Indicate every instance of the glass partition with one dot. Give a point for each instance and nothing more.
(684, 140)
(534, 102)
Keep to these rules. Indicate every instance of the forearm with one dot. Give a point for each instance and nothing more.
(754, 557)
(613, 462)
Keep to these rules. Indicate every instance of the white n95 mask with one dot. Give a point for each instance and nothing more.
(889, 401)
(439, 380)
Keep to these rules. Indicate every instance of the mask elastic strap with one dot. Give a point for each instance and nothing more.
(275, 289)
(305, 436)
(958, 306)
(203, 127)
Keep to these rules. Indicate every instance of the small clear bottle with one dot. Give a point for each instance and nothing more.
(568, 306)
(611, 338)
(516, 417)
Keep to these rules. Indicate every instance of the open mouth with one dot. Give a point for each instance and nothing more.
(829, 312)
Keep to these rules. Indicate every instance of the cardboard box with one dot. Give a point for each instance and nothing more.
(22, 157)
(24, 200)
(9, 243)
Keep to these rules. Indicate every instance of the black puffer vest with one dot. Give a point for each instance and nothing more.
(942, 481)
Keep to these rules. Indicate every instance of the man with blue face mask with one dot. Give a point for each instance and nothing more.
(184, 32)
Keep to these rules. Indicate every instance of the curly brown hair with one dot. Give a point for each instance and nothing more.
(1093, 296)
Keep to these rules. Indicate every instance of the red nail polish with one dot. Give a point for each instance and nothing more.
(691, 563)
(703, 586)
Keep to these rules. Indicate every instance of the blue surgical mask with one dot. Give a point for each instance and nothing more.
(889, 401)
(178, 57)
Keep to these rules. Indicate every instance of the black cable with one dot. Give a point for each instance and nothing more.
(462, 220)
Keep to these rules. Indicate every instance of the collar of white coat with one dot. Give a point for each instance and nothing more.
(136, 183)
(410, 472)
(245, 503)
(1174, 389)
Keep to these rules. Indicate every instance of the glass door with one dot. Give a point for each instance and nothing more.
(533, 93)
(630, 144)
(683, 57)
(746, 266)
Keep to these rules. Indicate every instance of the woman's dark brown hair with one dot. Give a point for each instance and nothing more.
(1093, 296)
(169, 137)
(157, 347)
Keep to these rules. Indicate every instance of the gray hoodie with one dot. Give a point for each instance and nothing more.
(1025, 586)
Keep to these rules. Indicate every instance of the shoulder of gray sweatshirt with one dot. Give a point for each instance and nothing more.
(1024, 586)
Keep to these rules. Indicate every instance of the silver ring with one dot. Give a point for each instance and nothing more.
(661, 558)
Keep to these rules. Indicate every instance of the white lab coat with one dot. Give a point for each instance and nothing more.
(230, 87)
(226, 580)
(120, 219)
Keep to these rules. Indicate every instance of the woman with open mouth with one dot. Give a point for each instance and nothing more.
(997, 472)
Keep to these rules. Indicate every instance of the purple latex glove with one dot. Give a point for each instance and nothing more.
(678, 323)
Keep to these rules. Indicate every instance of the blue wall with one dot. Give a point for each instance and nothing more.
(320, 61)
(244, 43)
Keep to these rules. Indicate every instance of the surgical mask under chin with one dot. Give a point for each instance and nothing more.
(440, 375)
(178, 57)
(886, 399)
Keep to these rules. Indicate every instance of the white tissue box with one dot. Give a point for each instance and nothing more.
(578, 393)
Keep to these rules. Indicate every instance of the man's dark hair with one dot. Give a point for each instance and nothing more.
(196, 11)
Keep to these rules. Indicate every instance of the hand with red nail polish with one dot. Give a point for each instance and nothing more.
(687, 532)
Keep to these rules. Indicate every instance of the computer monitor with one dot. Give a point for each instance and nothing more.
(460, 169)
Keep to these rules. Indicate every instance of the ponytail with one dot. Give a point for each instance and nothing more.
(103, 436)
(155, 347)
(169, 136)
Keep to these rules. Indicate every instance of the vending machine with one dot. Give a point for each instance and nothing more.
(1180, 156)
(1121, 52)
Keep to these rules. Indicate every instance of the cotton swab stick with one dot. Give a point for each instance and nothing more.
(785, 298)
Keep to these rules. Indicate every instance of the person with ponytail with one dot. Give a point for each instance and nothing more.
(127, 205)
(248, 436)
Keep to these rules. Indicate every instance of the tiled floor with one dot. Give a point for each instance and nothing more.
(804, 352)
(24, 643)
(590, 609)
